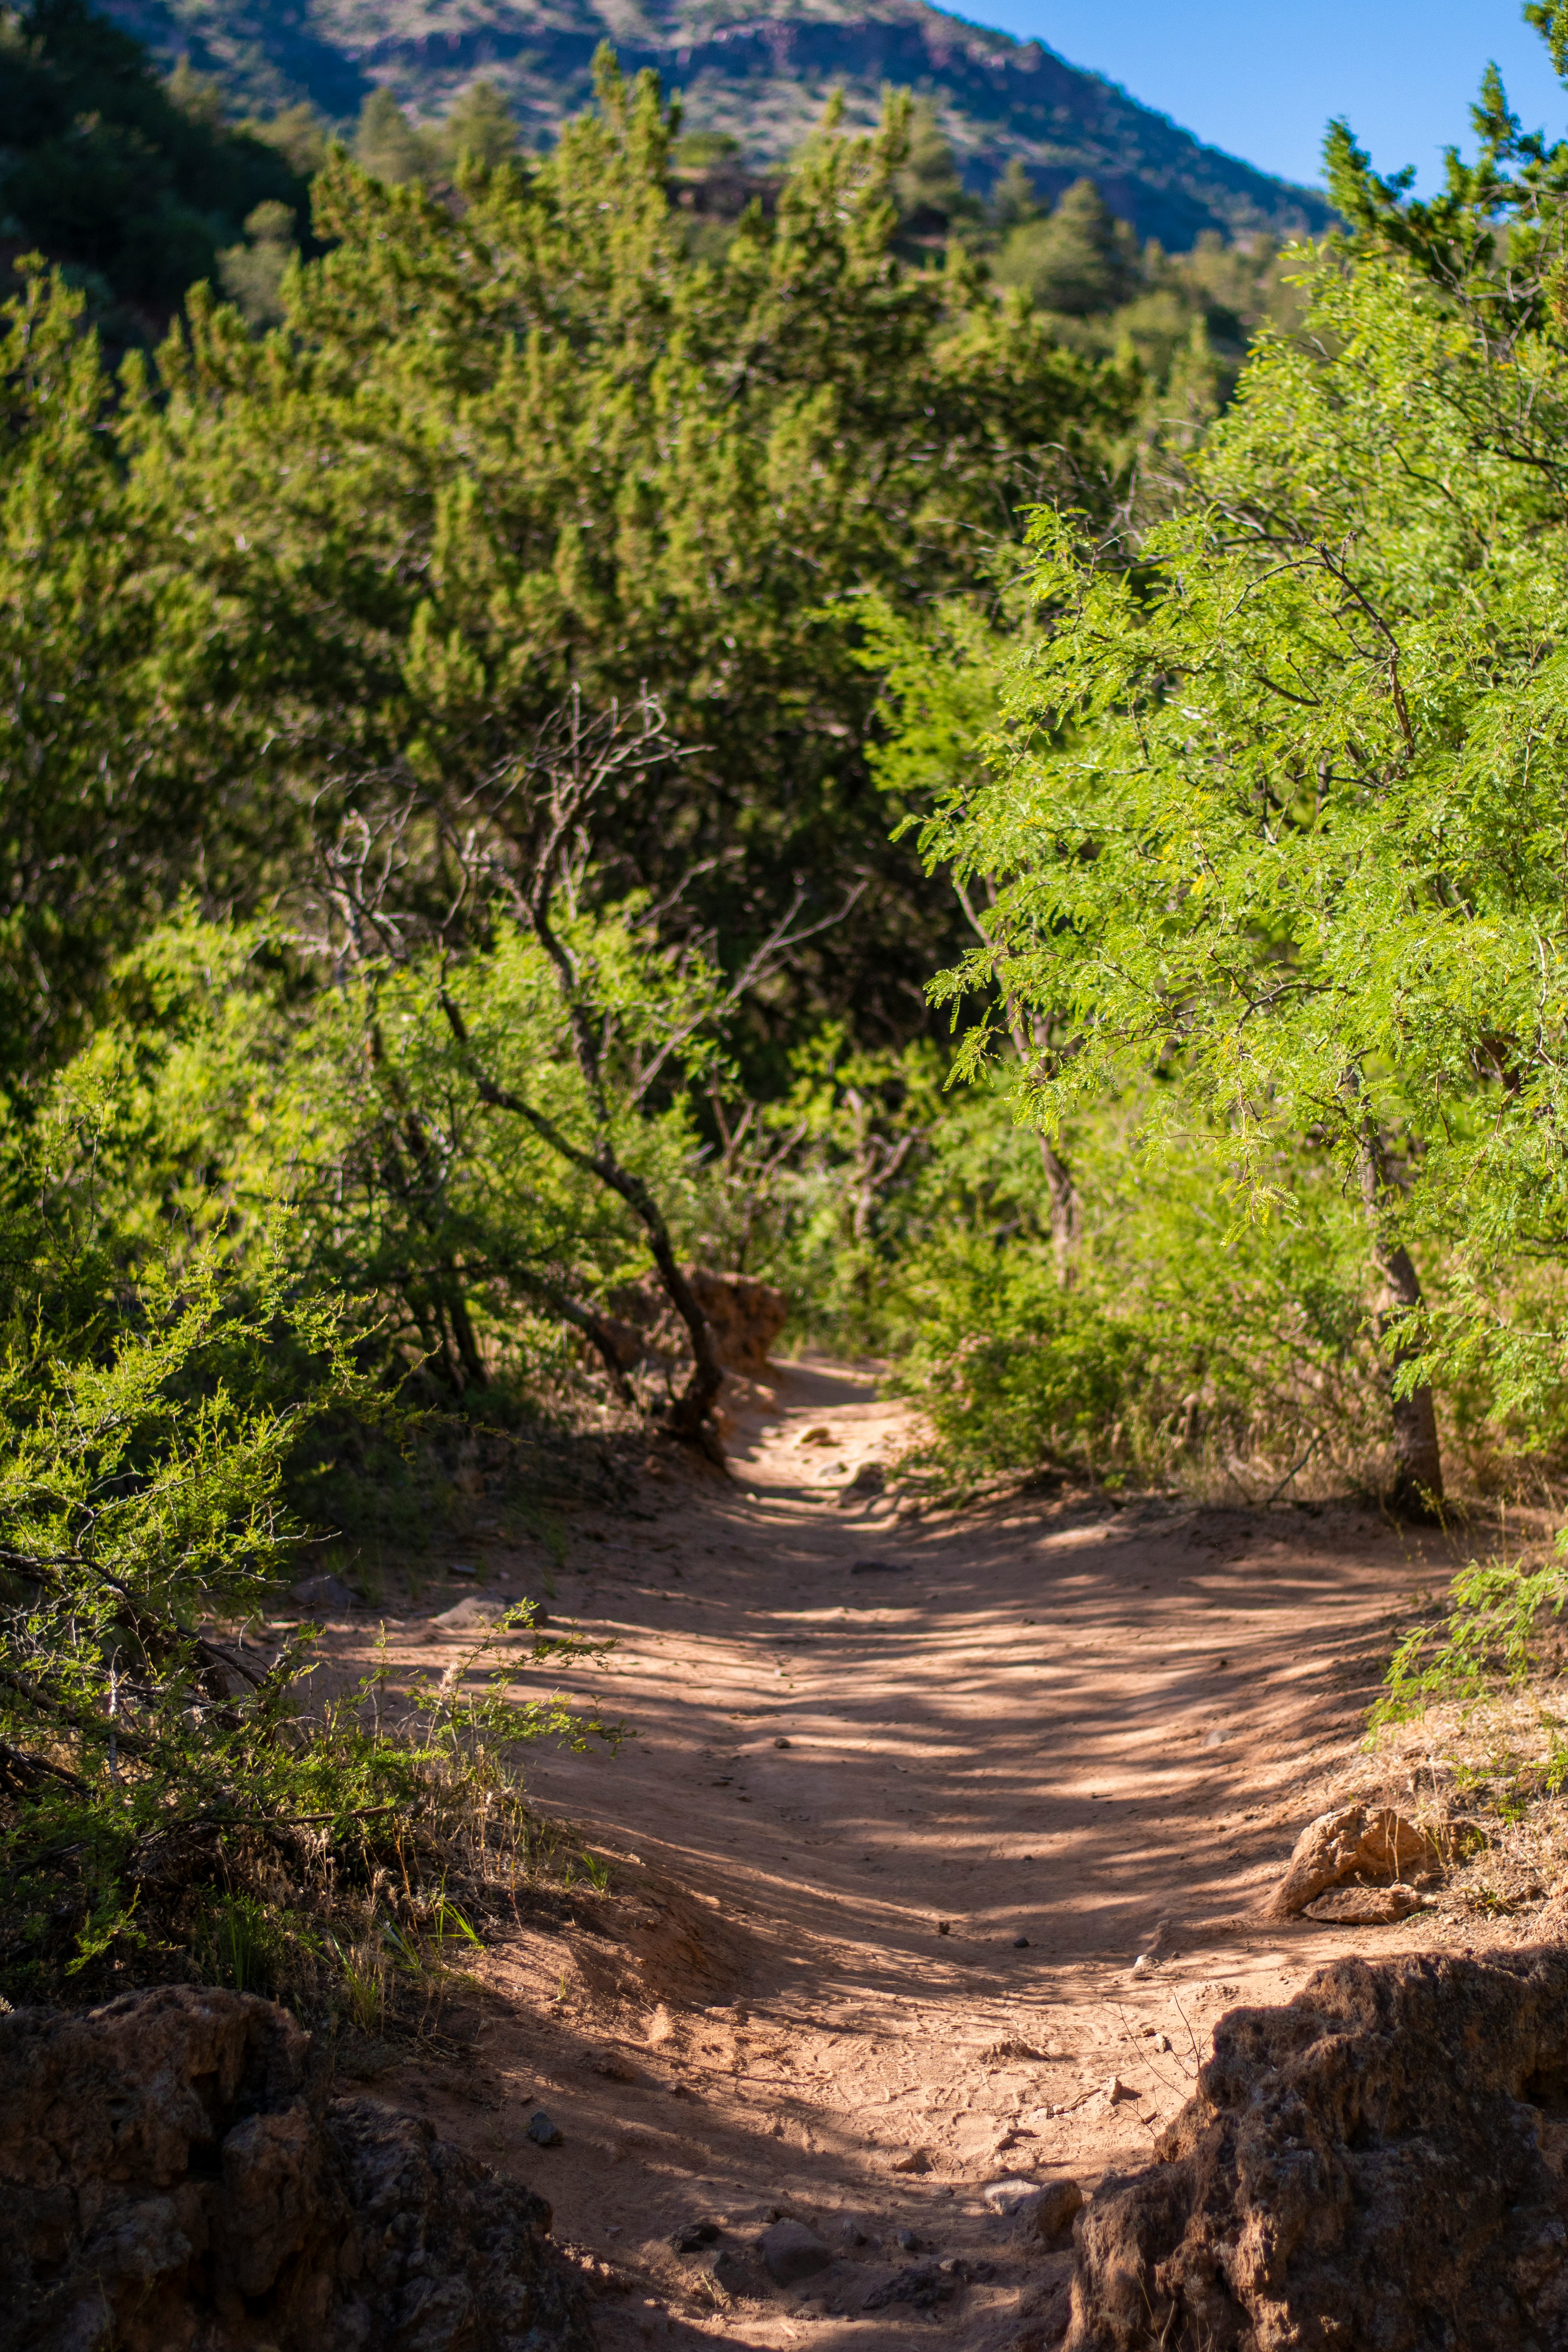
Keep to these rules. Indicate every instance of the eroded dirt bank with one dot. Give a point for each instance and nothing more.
(906, 1806)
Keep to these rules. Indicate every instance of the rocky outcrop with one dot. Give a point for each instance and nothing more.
(175, 2177)
(745, 1316)
(1349, 1853)
(1376, 2167)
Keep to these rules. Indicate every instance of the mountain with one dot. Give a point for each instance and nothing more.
(759, 74)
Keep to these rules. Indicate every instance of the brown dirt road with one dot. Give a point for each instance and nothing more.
(906, 1805)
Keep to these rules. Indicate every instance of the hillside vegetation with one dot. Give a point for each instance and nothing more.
(922, 749)
(765, 84)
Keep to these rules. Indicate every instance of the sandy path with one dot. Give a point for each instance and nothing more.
(1072, 1733)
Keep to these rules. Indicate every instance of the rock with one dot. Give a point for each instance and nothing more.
(693, 2237)
(732, 2274)
(543, 2130)
(329, 1594)
(1386, 2148)
(1020, 1943)
(1364, 1906)
(872, 1478)
(917, 2160)
(175, 2174)
(1116, 2092)
(781, 1743)
(851, 2233)
(1350, 1844)
(791, 2252)
(744, 1316)
(820, 1435)
(1007, 2195)
(1047, 2218)
(470, 1614)
(908, 2239)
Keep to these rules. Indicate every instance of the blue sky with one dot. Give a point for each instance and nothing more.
(1261, 78)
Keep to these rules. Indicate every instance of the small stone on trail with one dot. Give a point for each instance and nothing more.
(851, 2233)
(1117, 2092)
(820, 1435)
(1006, 2196)
(945, 1926)
(694, 2237)
(880, 1568)
(1020, 1943)
(1216, 1738)
(1141, 1965)
(870, 1478)
(470, 1613)
(465, 1568)
(542, 2130)
(1162, 2042)
(908, 2239)
(781, 1743)
(792, 2251)
(917, 2160)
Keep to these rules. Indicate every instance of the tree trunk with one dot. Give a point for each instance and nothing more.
(1064, 1211)
(1418, 1489)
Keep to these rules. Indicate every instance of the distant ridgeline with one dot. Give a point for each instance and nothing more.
(761, 78)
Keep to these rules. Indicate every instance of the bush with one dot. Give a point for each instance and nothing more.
(171, 1800)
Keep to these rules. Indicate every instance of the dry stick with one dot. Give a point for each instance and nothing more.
(16, 1765)
(1289, 1473)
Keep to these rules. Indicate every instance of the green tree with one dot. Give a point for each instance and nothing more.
(252, 273)
(100, 781)
(524, 444)
(388, 146)
(1079, 259)
(1273, 820)
(106, 168)
(480, 125)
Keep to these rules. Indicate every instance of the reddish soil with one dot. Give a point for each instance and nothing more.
(906, 1803)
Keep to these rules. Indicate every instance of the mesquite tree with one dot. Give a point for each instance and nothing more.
(1272, 805)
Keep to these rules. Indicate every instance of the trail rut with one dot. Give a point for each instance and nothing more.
(906, 1803)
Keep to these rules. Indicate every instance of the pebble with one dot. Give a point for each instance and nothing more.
(1117, 2091)
(730, 2274)
(851, 2233)
(781, 1743)
(908, 2239)
(543, 2130)
(1020, 1943)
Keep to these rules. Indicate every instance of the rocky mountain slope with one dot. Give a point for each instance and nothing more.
(759, 74)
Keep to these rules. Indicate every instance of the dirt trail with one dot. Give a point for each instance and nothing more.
(905, 1805)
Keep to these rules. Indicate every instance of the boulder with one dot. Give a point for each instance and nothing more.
(745, 1316)
(177, 2177)
(1377, 2163)
(1351, 1844)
